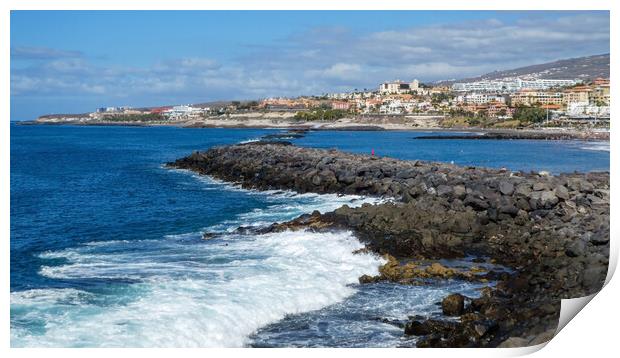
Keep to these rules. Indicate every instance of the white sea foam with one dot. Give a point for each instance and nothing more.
(285, 204)
(42, 296)
(250, 140)
(597, 146)
(181, 301)
(288, 205)
(182, 291)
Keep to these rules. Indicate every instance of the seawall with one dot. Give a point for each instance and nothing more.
(552, 229)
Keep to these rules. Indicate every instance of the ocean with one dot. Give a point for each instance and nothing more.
(107, 248)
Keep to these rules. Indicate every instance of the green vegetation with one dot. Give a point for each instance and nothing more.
(320, 114)
(462, 118)
(474, 122)
(246, 105)
(460, 113)
(460, 121)
(479, 120)
(523, 116)
(507, 124)
(600, 103)
(440, 97)
(146, 117)
(530, 114)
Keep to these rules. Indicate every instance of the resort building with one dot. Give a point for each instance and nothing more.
(579, 94)
(160, 110)
(601, 82)
(399, 107)
(480, 98)
(181, 112)
(512, 85)
(112, 109)
(341, 105)
(398, 87)
(530, 98)
(540, 84)
(499, 110)
(485, 86)
(600, 95)
(585, 109)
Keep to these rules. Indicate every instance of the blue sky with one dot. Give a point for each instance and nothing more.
(75, 61)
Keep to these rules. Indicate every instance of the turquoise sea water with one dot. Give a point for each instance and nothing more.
(106, 246)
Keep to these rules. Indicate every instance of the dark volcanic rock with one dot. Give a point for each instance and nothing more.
(552, 229)
(506, 187)
(530, 135)
(453, 305)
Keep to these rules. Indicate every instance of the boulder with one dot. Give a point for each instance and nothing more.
(476, 203)
(599, 239)
(506, 187)
(444, 190)
(561, 192)
(548, 199)
(391, 269)
(576, 248)
(406, 174)
(416, 328)
(542, 200)
(459, 192)
(364, 279)
(437, 269)
(208, 235)
(523, 189)
(538, 186)
(453, 305)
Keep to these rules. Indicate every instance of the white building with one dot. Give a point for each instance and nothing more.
(398, 107)
(541, 84)
(484, 86)
(512, 85)
(398, 87)
(181, 111)
(584, 109)
(480, 98)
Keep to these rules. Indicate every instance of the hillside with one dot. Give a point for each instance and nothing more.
(586, 68)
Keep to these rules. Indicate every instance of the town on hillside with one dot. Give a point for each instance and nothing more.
(504, 103)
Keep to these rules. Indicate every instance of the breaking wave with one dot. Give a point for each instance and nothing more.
(184, 291)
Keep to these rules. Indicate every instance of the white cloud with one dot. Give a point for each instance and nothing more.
(338, 71)
(320, 60)
(38, 53)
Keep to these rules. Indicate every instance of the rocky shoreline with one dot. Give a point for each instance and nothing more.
(351, 125)
(522, 135)
(551, 230)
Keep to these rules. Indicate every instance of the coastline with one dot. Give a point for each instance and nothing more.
(348, 124)
(450, 277)
(553, 230)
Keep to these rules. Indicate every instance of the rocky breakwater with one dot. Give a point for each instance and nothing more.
(553, 230)
(526, 135)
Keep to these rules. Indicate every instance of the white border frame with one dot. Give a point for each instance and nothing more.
(592, 332)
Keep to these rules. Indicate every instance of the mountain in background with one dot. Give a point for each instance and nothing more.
(585, 68)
